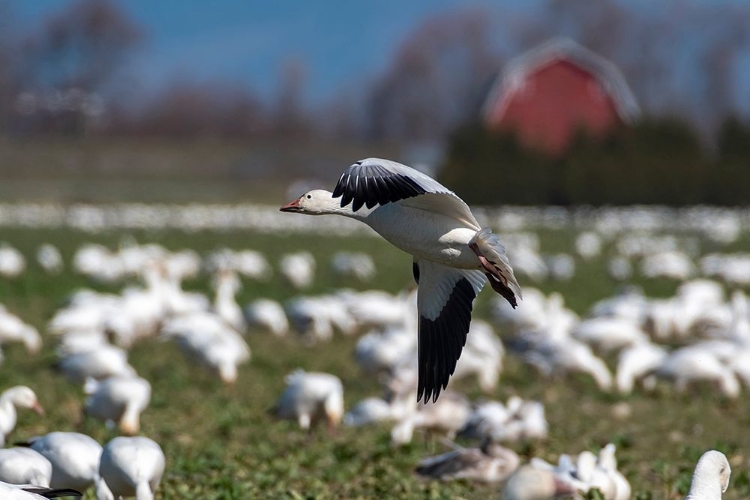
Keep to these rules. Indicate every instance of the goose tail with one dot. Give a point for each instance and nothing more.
(487, 246)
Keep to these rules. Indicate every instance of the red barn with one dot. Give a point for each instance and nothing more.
(549, 93)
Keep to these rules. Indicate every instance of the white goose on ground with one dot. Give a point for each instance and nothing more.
(268, 315)
(490, 463)
(225, 305)
(74, 458)
(446, 416)
(28, 492)
(452, 253)
(13, 329)
(130, 466)
(310, 396)
(98, 362)
(24, 466)
(16, 397)
(205, 337)
(118, 399)
(531, 483)
(49, 258)
(710, 478)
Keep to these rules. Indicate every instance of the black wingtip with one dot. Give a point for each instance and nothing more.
(54, 493)
(442, 340)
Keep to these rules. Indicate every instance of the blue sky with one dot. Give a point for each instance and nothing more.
(340, 41)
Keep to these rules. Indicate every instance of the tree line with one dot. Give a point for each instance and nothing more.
(70, 75)
(656, 161)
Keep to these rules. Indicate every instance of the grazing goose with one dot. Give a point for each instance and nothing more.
(268, 315)
(491, 463)
(309, 396)
(130, 466)
(49, 258)
(447, 416)
(531, 483)
(205, 337)
(118, 399)
(15, 397)
(24, 466)
(710, 478)
(28, 492)
(74, 458)
(12, 329)
(97, 362)
(452, 253)
(225, 305)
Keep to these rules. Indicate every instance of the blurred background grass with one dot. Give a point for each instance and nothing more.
(222, 443)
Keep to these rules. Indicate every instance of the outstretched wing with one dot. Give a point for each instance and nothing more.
(445, 300)
(376, 182)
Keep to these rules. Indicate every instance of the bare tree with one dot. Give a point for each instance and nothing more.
(437, 78)
(81, 46)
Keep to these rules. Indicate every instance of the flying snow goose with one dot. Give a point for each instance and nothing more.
(15, 397)
(710, 478)
(452, 253)
(489, 464)
(130, 466)
(74, 458)
(24, 466)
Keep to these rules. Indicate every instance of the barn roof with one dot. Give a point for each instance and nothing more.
(609, 76)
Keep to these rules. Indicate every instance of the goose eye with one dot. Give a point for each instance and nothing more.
(309, 196)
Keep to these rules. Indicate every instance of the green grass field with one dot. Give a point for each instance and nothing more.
(221, 443)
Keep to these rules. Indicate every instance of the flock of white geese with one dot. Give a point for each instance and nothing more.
(94, 331)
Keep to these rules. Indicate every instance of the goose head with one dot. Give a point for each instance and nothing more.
(711, 475)
(315, 202)
(23, 397)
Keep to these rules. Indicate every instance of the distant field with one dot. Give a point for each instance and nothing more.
(178, 171)
(221, 443)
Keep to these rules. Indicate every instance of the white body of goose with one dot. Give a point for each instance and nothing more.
(531, 483)
(298, 269)
(452, 253)
(636, 362)
(99, 362)
(74, 458)
(130, 467)
(446, 416)
(15, 397)
(482, 356)
(225, 305)
(309, 396)
(49, 258)
(205, 337)
(268, 315)
(710, 478)
(118, 400)
(12, 329)
(24, 466)
(693, 364)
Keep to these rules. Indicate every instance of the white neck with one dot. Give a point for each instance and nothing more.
(705, 485)
(333, 206)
